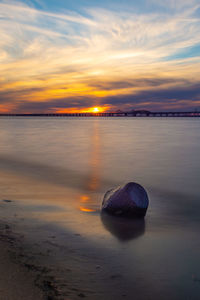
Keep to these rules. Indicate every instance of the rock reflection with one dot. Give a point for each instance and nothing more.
(122, 228)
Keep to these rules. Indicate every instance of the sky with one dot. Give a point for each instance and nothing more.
(70, 56)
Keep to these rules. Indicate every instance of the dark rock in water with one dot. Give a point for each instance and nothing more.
(130, 199)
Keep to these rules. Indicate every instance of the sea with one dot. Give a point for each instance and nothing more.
(61, 167)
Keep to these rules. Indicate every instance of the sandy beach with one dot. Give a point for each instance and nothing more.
(16, 282)
(21, 276)
(42, 261)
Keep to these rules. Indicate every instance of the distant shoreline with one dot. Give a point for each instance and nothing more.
(138, 113)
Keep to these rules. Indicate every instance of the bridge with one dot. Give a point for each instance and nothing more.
(136, 113)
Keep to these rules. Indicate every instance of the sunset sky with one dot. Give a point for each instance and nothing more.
(65, 56)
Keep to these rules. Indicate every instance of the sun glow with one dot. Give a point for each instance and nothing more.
(96, 109)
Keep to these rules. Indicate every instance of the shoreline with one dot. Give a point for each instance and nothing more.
(53, 263)
(56, 263)
(16, 282)
(29, 269)
(21, 277)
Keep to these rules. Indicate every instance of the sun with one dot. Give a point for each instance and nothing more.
(96, 109)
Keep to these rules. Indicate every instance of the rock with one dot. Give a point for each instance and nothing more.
(130, 199)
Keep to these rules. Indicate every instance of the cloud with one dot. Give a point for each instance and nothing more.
(177, 97)
(97, 56)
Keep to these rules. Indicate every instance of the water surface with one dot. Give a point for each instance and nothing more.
(67, 164)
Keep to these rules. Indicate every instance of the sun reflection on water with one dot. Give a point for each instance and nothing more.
(93, 180)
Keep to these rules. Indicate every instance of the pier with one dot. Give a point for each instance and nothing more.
(136, 113)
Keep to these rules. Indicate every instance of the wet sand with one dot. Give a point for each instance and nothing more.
(16, 282)
(28, 269)
(43, 261)
(21, 277)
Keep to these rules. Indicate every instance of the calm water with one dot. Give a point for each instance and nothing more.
(70, 162)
